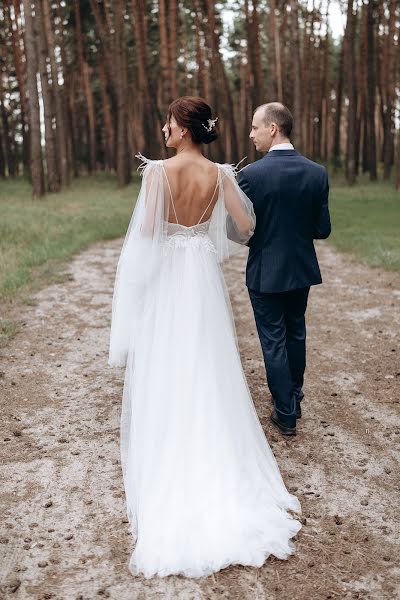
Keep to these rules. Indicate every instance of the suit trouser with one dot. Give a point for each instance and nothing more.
(280, 320)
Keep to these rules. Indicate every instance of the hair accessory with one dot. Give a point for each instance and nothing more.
(211, 124)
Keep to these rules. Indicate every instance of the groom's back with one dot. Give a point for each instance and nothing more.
(289, 193)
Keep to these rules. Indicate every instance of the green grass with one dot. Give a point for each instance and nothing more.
(38, 236)
(366, 221)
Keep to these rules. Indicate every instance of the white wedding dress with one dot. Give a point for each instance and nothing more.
(203, 488)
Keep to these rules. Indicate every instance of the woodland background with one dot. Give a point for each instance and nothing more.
(85, 84)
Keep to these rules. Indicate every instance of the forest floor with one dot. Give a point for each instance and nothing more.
(64, 533)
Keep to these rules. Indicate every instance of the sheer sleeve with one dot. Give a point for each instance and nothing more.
(233, 219)
(138, 261)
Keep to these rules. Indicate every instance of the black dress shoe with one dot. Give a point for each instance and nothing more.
(284, 429)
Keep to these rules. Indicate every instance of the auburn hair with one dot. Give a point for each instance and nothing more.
(193, 113)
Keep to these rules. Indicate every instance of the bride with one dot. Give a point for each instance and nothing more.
(203, 488)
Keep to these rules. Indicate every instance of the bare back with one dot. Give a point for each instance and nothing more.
(193, 184)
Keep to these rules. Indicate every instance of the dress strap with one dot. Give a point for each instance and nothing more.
(212, 197)
(170, 193)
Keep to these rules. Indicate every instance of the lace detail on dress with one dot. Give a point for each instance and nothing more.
(196, 236)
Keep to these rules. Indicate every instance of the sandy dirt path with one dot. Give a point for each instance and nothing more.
(64, 533)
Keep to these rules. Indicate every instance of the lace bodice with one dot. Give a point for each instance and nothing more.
(177, 228)
(194, 236)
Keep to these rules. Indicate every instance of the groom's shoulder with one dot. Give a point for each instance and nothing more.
(312, 165)
(253, 168)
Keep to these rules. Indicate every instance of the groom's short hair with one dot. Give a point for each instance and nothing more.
(275, 112)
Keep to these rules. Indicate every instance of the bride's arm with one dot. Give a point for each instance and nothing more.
(241, 218)
(152, 201)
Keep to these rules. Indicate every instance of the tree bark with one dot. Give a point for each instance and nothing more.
(390, 84)
(84, 71)
(351, 92)
(58, 95)
(123, 166)
(53, 176)
(106, 46)
(277, 50)
(36, 164)
(296, 67)
(172, 51)
(166, 95)
(371, 91)
(21, 78)
(232, 142)
(109, 134)
(254, 40)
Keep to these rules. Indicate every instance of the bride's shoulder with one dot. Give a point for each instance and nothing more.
(146, 163)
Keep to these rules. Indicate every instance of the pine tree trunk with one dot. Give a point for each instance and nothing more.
(227, 103)
(351, 92)
(36, 164)
(256, 57)
(326, 87)
(201, 76)
(249, 101)
(109, 135)
(58, 94)
(150, 141)
(21, 77)
(106, 46)
(390, 92)
(296, 67)
(53, 176)
(73, 112)
(123, 167)
(8, 152)
(337, 156)
(84, 71)
(371, 91)
(172, 21)
(277, 49)
(164, 58)
(2, 157)
(398, 161)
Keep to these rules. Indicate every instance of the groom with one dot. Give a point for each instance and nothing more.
(290, 197)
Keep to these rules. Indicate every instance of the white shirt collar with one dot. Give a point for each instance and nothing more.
(285, 146)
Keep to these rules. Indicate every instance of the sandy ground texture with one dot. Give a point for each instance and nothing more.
(64, 533)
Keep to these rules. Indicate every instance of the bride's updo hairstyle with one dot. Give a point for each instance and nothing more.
(194, 113)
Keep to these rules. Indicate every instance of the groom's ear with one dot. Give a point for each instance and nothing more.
(273, 128)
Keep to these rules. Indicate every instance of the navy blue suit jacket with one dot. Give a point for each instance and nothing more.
(289, 193)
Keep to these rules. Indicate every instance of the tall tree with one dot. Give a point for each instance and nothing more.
(17, 43)
(390, 91)
(296, 69)
(351, 93)
(166, 93)
(53, 177)
(371, 90)
(227, 105)
(274, 30)
(172, 46)
(123, 164)
(85, 76)
(36, 164)
(58, 91)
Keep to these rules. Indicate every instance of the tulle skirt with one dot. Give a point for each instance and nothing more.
(203, 488)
